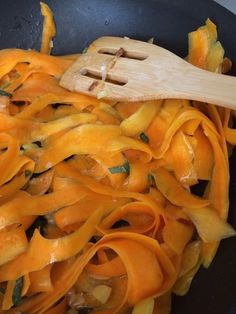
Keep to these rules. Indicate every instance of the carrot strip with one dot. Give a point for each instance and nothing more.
(40, 280)
(7, 300)
(152, 255)
(12, 211)
(54, 250)
(12, 243)
(59, 308)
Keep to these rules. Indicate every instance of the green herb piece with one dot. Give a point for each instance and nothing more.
(144, 137)
(27, 173)
(151, 40)
(102, 94)
(85, 50)
(6, 85)
(17, 75)
(125, 168)
(3, 93)
(16, 296)
(151, 179)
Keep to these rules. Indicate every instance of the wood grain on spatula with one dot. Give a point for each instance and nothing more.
(129, 70)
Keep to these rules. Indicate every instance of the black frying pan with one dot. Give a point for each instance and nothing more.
(79, 22)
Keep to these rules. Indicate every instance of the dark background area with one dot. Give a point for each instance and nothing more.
(79, 22)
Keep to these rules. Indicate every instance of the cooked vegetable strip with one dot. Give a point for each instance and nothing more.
(37, 105)
(7, 302)
(140, 120)
(97, 211)
(140, 218)
(60, 308)
(152, 254)
(12, 243)
(174, 192)
(54, 250)
(49, 29)
(47, 64)
(40, 280)
(11, 161)
(73, 215)
(220, 229)
(26, 285)
(12, 211)
(183, 154)
(75, 141)
(145, 306)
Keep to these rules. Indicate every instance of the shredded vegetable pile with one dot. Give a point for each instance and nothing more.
(98, 209)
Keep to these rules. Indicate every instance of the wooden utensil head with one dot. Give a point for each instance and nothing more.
(121, 68)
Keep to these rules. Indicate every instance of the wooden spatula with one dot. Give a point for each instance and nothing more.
(130, 70)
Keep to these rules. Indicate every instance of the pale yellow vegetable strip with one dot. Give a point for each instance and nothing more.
(209, 225)
(140, 120)
(174, 192)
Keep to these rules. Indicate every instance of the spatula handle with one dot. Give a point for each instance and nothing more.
(201, 85)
